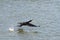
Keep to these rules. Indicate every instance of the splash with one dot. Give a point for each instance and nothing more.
(11, 29)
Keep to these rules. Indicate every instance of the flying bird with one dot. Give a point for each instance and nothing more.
(27, 24)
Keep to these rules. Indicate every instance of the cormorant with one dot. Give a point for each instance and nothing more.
(27, 24)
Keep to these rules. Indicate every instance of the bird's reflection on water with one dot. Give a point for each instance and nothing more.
(23, 32)
(20, 30)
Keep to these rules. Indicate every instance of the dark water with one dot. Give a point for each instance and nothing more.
(45, 13)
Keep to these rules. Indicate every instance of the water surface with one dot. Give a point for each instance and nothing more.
(45, 13)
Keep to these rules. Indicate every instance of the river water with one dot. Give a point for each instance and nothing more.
(45, 13)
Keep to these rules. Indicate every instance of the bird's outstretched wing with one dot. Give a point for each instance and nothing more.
(32, 25)
(24, 22)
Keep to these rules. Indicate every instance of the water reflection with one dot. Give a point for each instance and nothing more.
(23, 32)
(20, 31)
